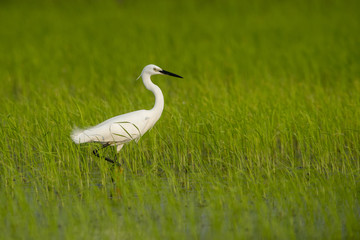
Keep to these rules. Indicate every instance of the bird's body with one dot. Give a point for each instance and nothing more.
(117, 130)
(124, 128)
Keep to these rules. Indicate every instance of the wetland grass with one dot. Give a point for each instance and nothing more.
(260, 140)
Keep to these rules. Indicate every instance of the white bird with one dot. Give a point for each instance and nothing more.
(124, 128)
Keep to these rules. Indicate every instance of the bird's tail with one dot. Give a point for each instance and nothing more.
(79, 136)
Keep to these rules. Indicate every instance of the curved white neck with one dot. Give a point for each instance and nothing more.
(159, 98)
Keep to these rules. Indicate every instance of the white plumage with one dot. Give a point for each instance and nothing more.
(129, 126)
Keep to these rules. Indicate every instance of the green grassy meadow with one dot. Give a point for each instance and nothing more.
(260, 140)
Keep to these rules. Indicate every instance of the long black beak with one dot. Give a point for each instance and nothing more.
(170, 74)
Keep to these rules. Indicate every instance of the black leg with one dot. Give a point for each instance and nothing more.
(96, 153)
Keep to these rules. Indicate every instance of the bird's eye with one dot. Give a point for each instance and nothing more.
(155, 70)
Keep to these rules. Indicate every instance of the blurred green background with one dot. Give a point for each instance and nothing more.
(260, 140)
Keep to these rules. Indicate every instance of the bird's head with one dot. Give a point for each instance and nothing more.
(152, 69)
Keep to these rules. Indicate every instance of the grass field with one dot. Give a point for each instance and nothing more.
(260, 140)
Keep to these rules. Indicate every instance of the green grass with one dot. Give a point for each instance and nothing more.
(260, 140)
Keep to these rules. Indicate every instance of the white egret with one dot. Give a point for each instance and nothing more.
(124, 128)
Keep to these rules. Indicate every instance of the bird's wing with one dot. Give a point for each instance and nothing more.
(120, 129)
(124, 131)
(126, 127)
